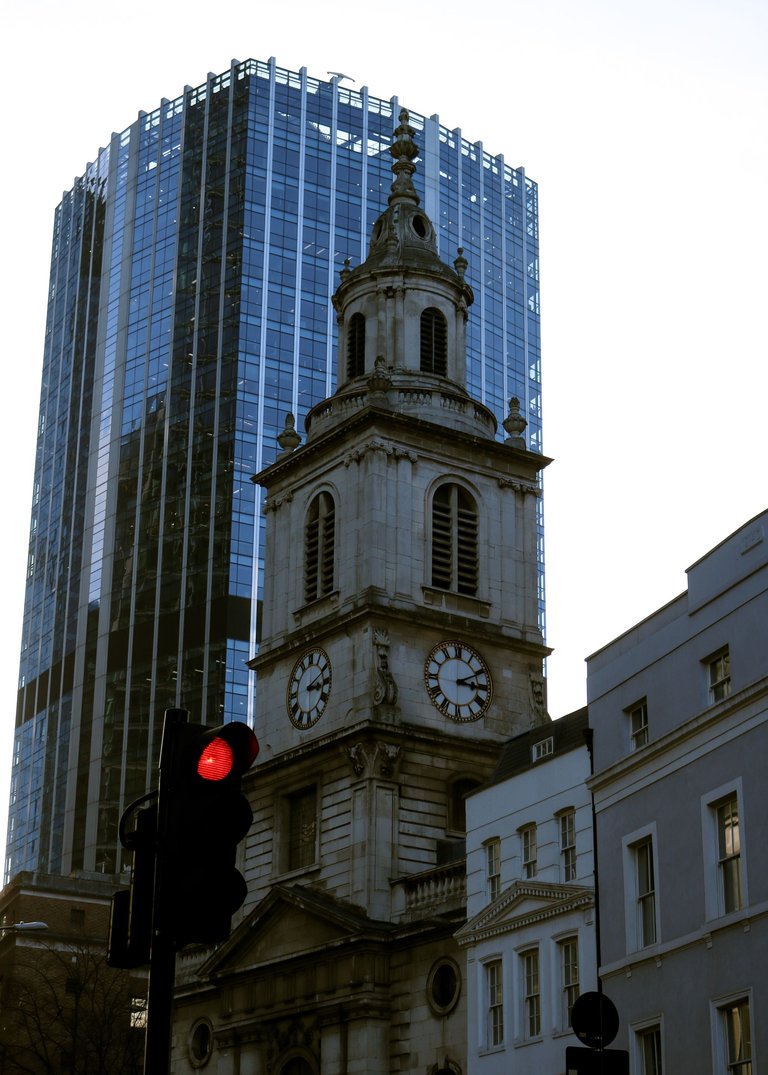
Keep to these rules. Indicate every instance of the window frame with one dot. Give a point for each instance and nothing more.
(493, 984)
(567, 996)
(492, 848)
(528, 860)
(433, 342)
(530, 993)
(718, 666)
(639, 1032)
(320, 541)
(454, 540)
(356, 345)
(568, 857)
(726, 1064)
(288, 801)
(638, 730)
(636, 896)
(715, 896)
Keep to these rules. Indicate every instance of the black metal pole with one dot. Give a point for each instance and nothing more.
(162, 963)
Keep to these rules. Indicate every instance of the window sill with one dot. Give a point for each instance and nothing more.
(328, 603)
(302, 871)
(455, 602)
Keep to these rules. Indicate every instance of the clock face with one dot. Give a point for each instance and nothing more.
(458, 681)
(309, 688)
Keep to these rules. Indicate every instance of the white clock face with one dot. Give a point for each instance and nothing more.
(309, 688)
(458, 681)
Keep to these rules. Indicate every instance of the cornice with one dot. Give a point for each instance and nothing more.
(645, 762)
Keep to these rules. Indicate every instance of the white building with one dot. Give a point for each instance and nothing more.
(679, 709)
(529, 938)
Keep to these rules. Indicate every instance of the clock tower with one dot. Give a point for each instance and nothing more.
(400, 649)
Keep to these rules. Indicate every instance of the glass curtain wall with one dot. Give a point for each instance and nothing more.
(189, 311)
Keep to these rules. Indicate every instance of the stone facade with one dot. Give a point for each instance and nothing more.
(399, 643)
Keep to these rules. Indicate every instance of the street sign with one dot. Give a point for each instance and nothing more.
(595, 1020)
(581, 1061)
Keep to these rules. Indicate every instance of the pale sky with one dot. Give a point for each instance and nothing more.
(644, 124)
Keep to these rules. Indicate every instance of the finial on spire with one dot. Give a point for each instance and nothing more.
(289, 439)
(404, 150)
(460, 263)
(515, 424)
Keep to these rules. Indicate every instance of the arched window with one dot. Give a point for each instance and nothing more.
(319, 547)
(434, 342)
(356, 346)
(454, 540)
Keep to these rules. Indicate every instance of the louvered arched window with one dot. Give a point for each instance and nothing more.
(434, 342)
(319, 547)
(454, 540)
(356, 346)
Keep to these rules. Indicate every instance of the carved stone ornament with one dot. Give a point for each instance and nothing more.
(514, 423)
(391, 451)
(380, 760)
(537, 692)
(384, 687)
(289, 439)
(275, 502)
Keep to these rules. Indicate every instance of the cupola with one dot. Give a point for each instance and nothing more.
(403, 304)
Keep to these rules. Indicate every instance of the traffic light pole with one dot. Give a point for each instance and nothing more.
(162, 963)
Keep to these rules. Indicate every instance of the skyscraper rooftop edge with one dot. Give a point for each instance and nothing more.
(355, 97)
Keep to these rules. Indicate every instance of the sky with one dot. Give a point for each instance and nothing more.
(644, 125)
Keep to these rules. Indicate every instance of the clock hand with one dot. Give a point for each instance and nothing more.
(468, 681)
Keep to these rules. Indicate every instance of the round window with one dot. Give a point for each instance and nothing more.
(201, 1043)
(420, 225)
(443, 986)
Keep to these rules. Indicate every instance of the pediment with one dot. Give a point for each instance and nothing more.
(523, 903)
(288, 922)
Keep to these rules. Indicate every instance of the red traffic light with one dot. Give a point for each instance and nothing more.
(216, 760)
(229, 749)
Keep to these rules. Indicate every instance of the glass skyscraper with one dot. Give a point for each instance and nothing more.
(191, 272)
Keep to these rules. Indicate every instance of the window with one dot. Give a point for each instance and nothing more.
(649, 1050)
(738, 1037)
(542, 749)
(493, 867)
(646, 894)
(355, 346)
(454, 540)
(319, 547)
(434, 342)
(729, 854)
(531, 994)
(457, 803)
(719, 671)
(638, 725)
(301, 829)
(443, 986)
(138, 1013)
(568, 844)
(495, 1003)
(528, 850)
(569, 969)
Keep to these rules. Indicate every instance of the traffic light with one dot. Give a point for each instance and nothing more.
(203, 817)
(130, 924)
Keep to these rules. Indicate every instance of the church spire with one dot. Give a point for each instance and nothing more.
(403, 307)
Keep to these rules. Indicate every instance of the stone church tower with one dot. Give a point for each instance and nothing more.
(400, 648)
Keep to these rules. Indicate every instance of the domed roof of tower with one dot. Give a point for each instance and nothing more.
(404, 237)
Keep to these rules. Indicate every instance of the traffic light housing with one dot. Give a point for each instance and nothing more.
(130, 924)
(203, 816)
